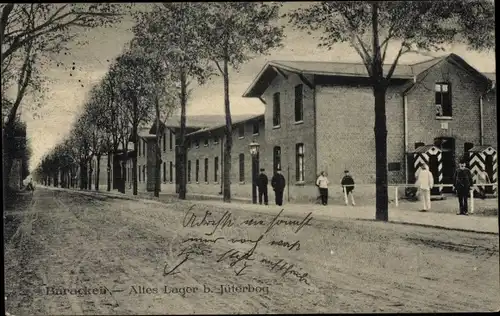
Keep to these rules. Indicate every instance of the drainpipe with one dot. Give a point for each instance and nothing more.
(405, 114)
(221, 171)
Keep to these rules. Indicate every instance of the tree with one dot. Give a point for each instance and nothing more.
(233, 32)
(179, 47)
(100, 139)
(135, 86)
(416, 26)
(110, 118)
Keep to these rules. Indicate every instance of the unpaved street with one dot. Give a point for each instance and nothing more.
(111, 257)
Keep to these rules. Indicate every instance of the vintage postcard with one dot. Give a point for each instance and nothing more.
(249, 157)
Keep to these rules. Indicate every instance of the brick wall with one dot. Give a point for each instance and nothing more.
(345, 132)
(465, 123)
(490, 119)
(211, 150)
(289, 134)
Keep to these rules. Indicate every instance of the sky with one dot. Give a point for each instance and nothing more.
(66, 96)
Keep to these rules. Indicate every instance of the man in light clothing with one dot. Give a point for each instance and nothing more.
(322, 183)
(425, 182)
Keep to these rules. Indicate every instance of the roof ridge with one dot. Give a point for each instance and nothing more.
(335, 62)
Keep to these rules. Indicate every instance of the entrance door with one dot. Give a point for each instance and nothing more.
(447, 146)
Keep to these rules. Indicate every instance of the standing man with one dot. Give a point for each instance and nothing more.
(322, 183)
(278, 184)
(463, 184)
(262, 185)
(425, 182)
(348, 187)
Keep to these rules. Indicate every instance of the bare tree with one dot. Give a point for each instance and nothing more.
(180, 49)
(233, 32)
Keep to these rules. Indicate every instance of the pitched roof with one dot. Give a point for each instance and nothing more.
(209, 129)
(338, 69)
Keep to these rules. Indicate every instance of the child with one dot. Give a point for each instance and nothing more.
(348, 185)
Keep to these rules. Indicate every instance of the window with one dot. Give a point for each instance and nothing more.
(144, 148)
(256, 128)
(276, 110)
(139, 173)
(164, 141)
(197, 171)
(197, 143)
(242, 167)
(299, 162)
(241, 131)
(164, 172)
(216, 169)
(205, 142)
(171, 140)
(216, 140)
(206, 169)
(144, 173)
(393, 166)
(139, 148)
(171, 170)
(443, 100)
(299, 103)
(189, 171)
(276, 158)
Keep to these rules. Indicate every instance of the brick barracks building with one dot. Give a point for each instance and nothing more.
(319, 116)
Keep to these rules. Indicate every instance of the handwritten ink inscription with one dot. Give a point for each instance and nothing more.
(240, 260)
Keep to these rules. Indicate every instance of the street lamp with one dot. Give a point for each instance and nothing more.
(254, 151)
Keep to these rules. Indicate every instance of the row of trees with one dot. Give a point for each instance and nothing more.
(176, 44)
(33, 36)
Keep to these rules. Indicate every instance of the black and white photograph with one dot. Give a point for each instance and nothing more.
(249, 157)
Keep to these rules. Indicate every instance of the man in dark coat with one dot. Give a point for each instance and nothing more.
(463, 183)
(262, 182)
(278, 184)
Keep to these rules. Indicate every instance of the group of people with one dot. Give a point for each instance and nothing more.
(463, 184)
(278, 184)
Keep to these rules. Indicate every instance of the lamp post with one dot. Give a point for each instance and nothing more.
(254, 151)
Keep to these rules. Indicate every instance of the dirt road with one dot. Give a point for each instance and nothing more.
(68, 253)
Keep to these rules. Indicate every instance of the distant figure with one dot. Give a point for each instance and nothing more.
(462, 181)
(482, 178)
(425, 182)
(348, 185)
(278, 184)
(262, 182)
(30, 186)
(322, 183)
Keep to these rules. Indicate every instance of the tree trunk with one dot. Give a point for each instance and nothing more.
(182, 150)
(134, 159)
(379, 90)
(89, 187)
(98, 172)
(157, 151)
(382, 201)
(108, 172)
(229, 139)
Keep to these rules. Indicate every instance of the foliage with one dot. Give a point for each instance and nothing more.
(33, 35)
(416, 25)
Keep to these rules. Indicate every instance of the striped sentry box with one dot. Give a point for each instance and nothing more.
(478, 162)
(423, 155)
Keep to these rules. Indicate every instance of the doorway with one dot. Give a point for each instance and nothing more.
(447, 146)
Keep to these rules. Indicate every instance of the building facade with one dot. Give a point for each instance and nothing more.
(319, 116)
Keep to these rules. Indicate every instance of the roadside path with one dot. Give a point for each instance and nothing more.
(472, 223)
